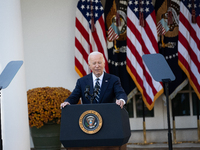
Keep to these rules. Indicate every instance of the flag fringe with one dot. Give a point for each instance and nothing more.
(189, 78)
(78, 71)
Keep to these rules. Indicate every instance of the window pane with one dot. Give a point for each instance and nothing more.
(139, 108)
(194, 102)
(186, 87)
(181, 105)
(129, 108)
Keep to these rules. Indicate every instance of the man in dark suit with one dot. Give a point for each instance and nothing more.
(107, 87)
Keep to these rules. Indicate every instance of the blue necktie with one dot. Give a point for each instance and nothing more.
(97, 85)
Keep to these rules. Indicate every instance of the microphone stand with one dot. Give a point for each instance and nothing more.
(92, 95)
(91, 99)
(95, 93)
(86, 96)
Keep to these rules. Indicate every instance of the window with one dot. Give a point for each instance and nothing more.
(194, 103)
(129, 108)
(181, 104)
(139, 108)
(138, 103)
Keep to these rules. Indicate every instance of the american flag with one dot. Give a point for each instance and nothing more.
(113, 32)
(140, 41)
(86, 39)
(162, 27)
(189, 42)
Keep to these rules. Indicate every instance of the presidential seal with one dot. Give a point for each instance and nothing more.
(90, 122)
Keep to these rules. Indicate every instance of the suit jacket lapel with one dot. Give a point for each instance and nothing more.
(104, 85)
(90, 82)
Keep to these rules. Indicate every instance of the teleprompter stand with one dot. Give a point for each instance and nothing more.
(161, 72)
(76, 134)
(5, 78)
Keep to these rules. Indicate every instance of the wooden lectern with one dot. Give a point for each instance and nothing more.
(95, 127)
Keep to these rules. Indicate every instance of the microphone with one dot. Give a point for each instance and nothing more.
(87, 91)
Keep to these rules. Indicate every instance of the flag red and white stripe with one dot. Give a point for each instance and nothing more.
(189, 43)
(113, 33)
(162, 27)
(87, 41)
(140, 41)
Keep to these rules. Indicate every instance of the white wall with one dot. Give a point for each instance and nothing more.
(14, 111)
(48, 32)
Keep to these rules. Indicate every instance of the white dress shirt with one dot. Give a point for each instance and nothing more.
(95, 79)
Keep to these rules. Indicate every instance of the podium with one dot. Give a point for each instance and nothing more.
(93, 126)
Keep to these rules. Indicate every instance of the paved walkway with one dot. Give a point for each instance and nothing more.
(161, 146)
(164, 146)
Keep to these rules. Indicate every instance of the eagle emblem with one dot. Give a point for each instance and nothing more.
(90, 122)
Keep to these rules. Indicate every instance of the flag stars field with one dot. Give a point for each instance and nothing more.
(147, 9)
(136, 9)
(136, 3)
(147, 3)
(82, 7)
(130, 3)
(142, 2)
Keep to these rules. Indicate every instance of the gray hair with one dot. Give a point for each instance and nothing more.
(95, 53)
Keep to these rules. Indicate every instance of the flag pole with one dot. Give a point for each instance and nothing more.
(198, 122)
(144, 124)
(174, 124)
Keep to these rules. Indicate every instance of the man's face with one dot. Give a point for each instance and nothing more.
(96, 64)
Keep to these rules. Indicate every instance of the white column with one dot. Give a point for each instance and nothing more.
(15, 128)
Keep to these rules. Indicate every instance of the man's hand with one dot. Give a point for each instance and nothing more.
(120, 103)
(62, 105)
